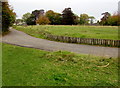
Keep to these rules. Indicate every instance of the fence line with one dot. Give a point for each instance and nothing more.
(90, 41)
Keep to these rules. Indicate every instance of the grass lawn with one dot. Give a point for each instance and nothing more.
(32, 67)
(0, 64)
(99, 32)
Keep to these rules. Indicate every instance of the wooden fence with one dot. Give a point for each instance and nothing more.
(90, 41)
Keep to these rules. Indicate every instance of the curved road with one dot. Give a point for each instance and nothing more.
(21, 39)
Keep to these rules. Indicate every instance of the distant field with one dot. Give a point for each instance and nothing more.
(99, 32)
(31, 67)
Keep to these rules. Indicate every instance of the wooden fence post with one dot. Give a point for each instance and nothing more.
(90, 41)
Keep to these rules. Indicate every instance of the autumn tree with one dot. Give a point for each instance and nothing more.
(34, 17)
(68, 17)
(55, 18)
(114, 20)
(50, 15)
(42, 20)
(109, 19)
(8, 16)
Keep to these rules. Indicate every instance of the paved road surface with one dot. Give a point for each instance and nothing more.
(21, 39)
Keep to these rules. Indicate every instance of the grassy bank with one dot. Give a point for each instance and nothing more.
(99, 32)
(32, 67)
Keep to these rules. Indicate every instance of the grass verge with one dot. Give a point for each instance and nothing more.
(98, 32)
(31, 67)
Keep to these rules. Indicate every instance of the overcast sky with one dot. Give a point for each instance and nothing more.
(90, 7)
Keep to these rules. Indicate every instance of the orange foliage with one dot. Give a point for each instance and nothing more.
(42, 20)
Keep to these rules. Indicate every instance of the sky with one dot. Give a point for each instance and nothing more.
(90, 7)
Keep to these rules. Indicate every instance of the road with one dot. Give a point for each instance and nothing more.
(22, 39)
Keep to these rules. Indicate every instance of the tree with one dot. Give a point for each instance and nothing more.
(18, 21)
(105, 17)
(42, 20)
(38, 13)
(91, 19)
(98, 22)
(8, 16)
(114, 20)
(55, 18)
(84, 19)
(26, 16)
(108, 19)
(31, 20)
(50, 15)
(76, 19)
(34, 17)
(68, 17)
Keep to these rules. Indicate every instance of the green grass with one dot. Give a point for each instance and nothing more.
(32, 67)
(99, 32)
(0, 64)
